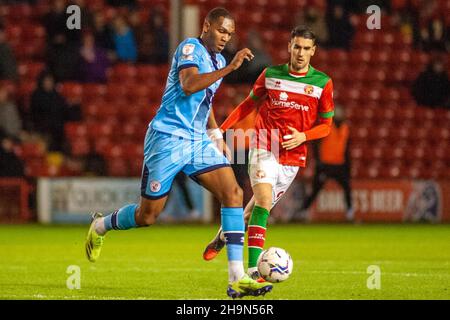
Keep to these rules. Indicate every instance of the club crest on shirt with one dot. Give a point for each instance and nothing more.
(155, 186)
(284, 96)
(260, 174)
(309, 89)
(188, 49)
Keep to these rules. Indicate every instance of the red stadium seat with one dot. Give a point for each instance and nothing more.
(102, 145)
(133, 151)
(340, 57)
(20, 12)
(441, 134)
(256, 17)
(376, 77)
(71, 90)
(29, 50)
(117, 167)
(364, 40)
(80, 147)
(360, 56)
(31, 150)
(123, 73)
(381, 58)
(438, 169)
(75, 130)
(135, 167)
(31, 32)
(116, 92)
(93, 91)
(374, 170)
(29, 71)
(147, 74)
(36, 168)
(13, 32)
(420, 57)
(100, 129)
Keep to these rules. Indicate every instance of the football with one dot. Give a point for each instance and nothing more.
(275, 264)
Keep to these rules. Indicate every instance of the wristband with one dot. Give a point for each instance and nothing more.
(215, 134)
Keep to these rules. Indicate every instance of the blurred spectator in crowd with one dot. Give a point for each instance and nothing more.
(160, 37)
(8, 66)
(87, 18)
(360, 6)
(63, 59)
(10, 164)
(124, 40)
(131, 4)
(55, 25)
(314, 18)
(433, 35)
(230, 50)
(143, 37)
(48, 111)
(55, 21)
(104, 35)
(62, 43)
(261, 60)
(432, 87)
(10, 121)
(340, 30)
(406, 20)
(95, 165)
(94, 61)
(333, 161)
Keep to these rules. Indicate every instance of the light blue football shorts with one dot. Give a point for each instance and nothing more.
(165, 155)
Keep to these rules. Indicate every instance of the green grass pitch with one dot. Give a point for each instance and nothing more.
(165, 262)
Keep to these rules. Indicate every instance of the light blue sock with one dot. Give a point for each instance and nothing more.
(122, 219)
(233, 229)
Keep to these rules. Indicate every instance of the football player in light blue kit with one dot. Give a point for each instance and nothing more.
(177, 140)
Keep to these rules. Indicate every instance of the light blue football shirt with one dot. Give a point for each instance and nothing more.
(181, 115)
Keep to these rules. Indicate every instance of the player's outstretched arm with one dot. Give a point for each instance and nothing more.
(249, 104)
(192, 81)
(242, 110)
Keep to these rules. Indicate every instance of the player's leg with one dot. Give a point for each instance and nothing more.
(268, 189)
(222, 183)
(218, 242)
(263, 172)
(257, 225)
(157, 177)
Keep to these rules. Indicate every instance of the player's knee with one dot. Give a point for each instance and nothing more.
(233, 197)
(265, 203)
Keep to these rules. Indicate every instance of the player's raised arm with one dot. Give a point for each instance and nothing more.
(193, 81)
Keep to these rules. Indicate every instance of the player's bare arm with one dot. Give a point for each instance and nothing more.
(192, 81)
(296, 138)
(215, 134)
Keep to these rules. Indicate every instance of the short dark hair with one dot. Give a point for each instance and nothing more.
(304, 32)
(218, 12)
